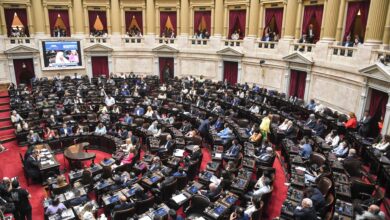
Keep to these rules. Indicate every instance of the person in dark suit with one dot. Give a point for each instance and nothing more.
(319, 128)
(311, 122)
(316, 197)
(352, 164)
(214, 190)
(305, 211)
(66, 130)
(267, 156)
(196, 154)
(167, 182)
(219, 125)
(199, 102)
(156, 164)
(365, 124)
(123, 204)
(204, 128)
(233, 150)
(32, 166)
(348, 42)
(166, 147)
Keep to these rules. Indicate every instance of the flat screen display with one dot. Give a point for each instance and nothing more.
(61, 54)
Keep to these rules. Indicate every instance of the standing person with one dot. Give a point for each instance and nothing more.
(21, 199)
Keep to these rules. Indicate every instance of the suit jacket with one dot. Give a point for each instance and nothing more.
(167, 146)
(123, 206)
(319, 129)
(68, 130)
(353, 166)
(233, 150)
(211, 195)
(311, 123)
(32, 165)
(139, 111)
(305, 214)
(196, 155)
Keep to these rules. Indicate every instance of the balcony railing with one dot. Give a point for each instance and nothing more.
(199, 42)
(164, 40)
(232, 43)
(303, 48)
(267, 44)
(98, 40)
(343, 51)
(133, 40)
(19, 40)
(381, 53)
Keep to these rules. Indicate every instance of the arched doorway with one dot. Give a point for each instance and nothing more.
(24, 70)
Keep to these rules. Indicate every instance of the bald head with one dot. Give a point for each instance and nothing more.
(123, 198)
(269, 150)
(307, 203)
(213, 187)
(351, 152)
(374, 209)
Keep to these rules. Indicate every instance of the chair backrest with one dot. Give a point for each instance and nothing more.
(61, 190)
(329, 200)
(359, 187)
(192, 170)
(168, 190)
(324, 185)
(181, 182)
(144, 205)
(123, 214)
(317, 158)
(199, 203)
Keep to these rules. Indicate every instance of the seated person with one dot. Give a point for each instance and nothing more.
(352, 164)
(128, 144)
(156, 164)
(319, 128)
(139, 111)
(256, 205)
(66, 130)
(129, 158)
(263, 186)
(341, 150)
(15, 117)
(373, 212)
(384, 144)
(213, 191)
(311, 122)
(196, 154)
(254, 109)
(192, 133)
(128, 119)
(267, 156)
(316, 197)
(167, 146)
(311, 105)
(49, 134)
(256, 137)
(332, 139)
(52, 121)
(80, 129)
(33, 137)
(305, 211)
(226, 133)
(149, 112)
(219, 124)
(86, 178)
(123, 204)
(305, 148)
(283, 126)
(61, 181)
(56, 207)
(352, 121)
(100, 129)
(109, 101)
(233, 150)
(104, 117)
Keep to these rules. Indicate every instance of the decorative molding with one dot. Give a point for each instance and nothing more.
(230, 52)
(98, 48)
(165, 48)
(298, 57)
(377, 71)
(21, 49)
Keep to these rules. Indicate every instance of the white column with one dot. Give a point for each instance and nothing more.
(386, 120)
(307, 86)
(287, 81)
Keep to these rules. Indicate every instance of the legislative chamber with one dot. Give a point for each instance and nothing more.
(195, 109)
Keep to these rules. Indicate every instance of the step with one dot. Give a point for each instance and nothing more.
(4, 103)
(6, 127)
(7, 138)
(5, 119)
(5, 110)
(5, 106)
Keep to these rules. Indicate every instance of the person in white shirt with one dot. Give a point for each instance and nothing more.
(163, 87)
(15, 117)
(384, 144)
(256, 203)
(100, 129)
(254, 109)
(109, 100)
(149, 112)
(153, 127)
(162, 96)
(284, 125)
(332, 139)
(127, 146)
(264, 187)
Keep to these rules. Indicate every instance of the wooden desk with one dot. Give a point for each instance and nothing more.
(75, 154)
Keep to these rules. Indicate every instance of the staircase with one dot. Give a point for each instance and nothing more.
(7, 130)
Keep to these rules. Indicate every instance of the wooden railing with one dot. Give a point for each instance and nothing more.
(200, 42)
(232, 43)
(267, 44)
(343, 51)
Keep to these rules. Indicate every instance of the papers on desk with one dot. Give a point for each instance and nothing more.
(218, 155)
(178, 153)
(145, 218)
(215, 180)
(200, 218)
(47, 162)
(179, 198)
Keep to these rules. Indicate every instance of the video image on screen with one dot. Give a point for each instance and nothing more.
(61, 54)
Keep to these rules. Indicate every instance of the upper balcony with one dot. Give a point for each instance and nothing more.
(232, 43)
(165, 40)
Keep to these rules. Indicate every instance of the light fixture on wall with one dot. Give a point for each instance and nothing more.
(359, 13)
(24, 66)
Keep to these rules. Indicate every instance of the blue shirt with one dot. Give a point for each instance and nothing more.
(306, 151)
(225, 133)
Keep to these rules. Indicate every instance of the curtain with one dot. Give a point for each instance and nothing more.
(164, 18)
(138, 17)
(165, 62)
(378, 104)
(100, 66)
(237, 21)
(297, 84)
(276, 13)
(230, 72)
(353, 9)
(314, 11)
(92, 17)
(198, 20)
(24, 73)
(53, 15)
(9, 16)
